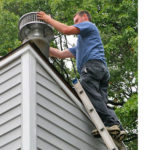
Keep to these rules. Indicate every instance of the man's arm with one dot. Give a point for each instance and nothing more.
(58, 25)
(54, 52)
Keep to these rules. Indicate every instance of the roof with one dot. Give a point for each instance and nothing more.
(46, 61)
(33, 78)
(18, 51)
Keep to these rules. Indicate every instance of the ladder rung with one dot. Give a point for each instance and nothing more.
(91, 109)
(102, 129)
(81, 91)
(94, 116)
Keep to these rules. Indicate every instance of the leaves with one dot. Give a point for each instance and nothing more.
(130, 120)
(8, 31)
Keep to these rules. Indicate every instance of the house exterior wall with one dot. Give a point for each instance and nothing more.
(35, 111)
(10, 106)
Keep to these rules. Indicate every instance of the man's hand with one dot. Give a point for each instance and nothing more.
(63, 28)
(43, 16)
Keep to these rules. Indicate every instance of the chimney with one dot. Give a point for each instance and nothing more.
(33, 29)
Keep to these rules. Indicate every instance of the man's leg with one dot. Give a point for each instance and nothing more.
(92, 74)
(103, 90)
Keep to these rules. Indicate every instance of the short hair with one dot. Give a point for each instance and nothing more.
(82, 12)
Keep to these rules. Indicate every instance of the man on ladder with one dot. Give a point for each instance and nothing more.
(91, 65)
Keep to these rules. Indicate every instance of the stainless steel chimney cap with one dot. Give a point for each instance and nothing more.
(31, 27)
(35, 30)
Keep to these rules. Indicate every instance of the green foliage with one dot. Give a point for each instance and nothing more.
(20, 7)
(118, 26)
(130, 108)
(128, 117)
(8, 32)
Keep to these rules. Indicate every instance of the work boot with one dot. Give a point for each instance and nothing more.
(113, 130)
(121, 136)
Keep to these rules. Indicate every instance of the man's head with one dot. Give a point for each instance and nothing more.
(82, 16)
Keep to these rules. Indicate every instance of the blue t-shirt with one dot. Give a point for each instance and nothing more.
(89, 45)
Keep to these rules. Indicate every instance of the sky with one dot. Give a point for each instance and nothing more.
(72, 40)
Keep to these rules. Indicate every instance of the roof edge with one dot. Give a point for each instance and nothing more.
(74, 95)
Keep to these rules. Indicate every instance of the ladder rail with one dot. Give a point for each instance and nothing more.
(94, 116)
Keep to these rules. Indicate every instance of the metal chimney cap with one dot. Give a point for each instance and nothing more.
(30, 17)
(29, 22)
(31, 28)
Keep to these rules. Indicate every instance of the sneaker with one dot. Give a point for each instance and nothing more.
(113, 130)
(121, 136)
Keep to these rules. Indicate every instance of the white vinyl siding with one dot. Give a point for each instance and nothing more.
(38, 111)
(10, 106)
(60, 122)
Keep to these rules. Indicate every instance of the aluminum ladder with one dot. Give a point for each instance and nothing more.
(94, 116)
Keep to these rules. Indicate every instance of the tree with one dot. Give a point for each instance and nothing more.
(8, 32)
(129, 120)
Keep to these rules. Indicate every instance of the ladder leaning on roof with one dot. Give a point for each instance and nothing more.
(94, 116)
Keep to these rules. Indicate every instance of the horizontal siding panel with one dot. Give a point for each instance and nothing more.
(54, 140)
(64, 135)
(53, 88)
(10, 73)
(14, 145)
(62, 113)
(10, 83)
(44, 145)
(10, 100)
(60, 124)
(10, 93)
(12, 113)
(10, 66)
(11, 103)
(83, 134)
(10, 125)
(10, 137)
(59, 120)
(69, 107)
(40, 70)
